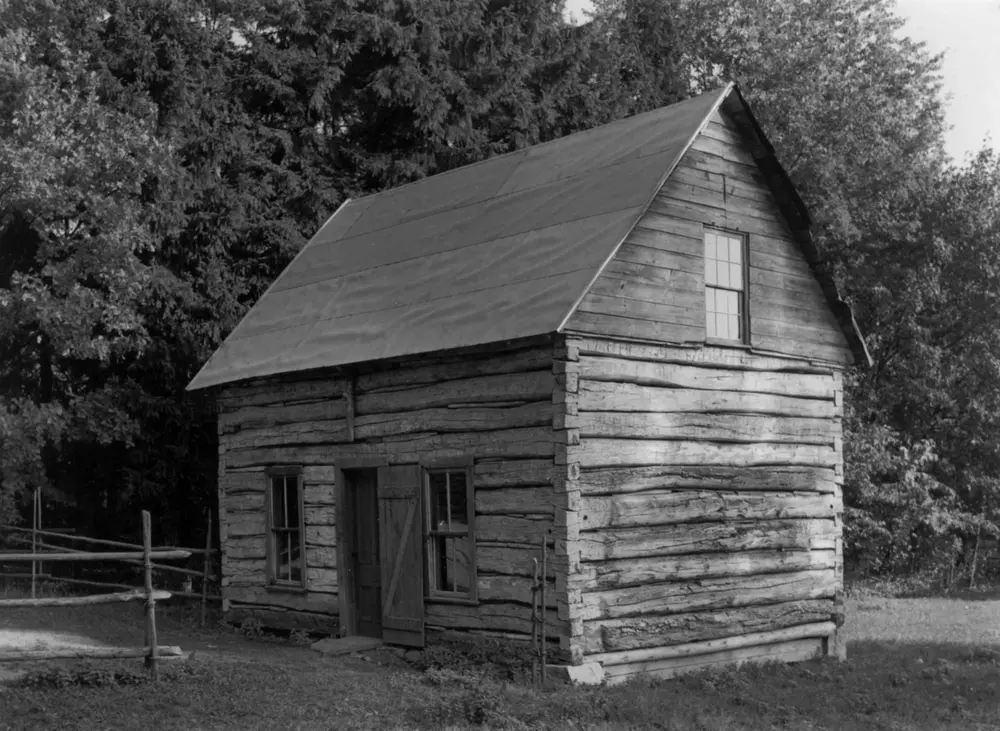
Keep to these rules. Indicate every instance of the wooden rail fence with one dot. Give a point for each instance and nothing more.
(36, 538)
(151, 651)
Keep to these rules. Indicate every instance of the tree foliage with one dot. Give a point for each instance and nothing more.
(162, 160)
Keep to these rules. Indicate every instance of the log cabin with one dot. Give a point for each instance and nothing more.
(621, 343)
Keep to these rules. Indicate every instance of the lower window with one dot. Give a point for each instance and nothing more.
(285, 549)
(451, 560)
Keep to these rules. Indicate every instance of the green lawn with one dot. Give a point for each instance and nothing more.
(914, 664)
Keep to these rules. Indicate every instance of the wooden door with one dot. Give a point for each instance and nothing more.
(399, 490)
(366, 553)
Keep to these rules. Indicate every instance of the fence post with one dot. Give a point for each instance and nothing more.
(34, 538)
(545, 639)
(147, 548)
(208, 561)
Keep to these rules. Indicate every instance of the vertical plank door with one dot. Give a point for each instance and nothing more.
(399, 489)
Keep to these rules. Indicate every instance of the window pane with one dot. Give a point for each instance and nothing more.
(721, 330)
(732, 303)
(710, 277)
(723, 277)
(710, 246)
(736, 276)
(278, 501)
(292, 501)
(295, 556)
(710, 325)
(735, 250)
(451, 560)
(459, 505)
(438, 500)
(734, 327)
(710, 299)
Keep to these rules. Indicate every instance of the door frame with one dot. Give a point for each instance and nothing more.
(348, 621)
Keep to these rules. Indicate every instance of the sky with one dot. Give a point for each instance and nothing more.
(968, 32)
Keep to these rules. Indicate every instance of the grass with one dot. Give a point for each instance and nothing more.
(920, 663)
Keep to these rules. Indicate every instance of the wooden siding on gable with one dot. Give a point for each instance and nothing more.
(654, 287)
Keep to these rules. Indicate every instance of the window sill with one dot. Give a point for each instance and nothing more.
(719, 343)
(287, 588)
(452, 600)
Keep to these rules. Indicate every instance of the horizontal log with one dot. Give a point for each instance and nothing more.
(323, 557)
(280, 618)
(647, 570)
(774, 478)
(675, 375)
(689, 506)
(244, 501)
(452, 368)
(512, 501)
(510, 473)
(701, 538)
(505, 560)
(515, 444)
(313, 601)
(320, 475)
(694, 649)
(513, 529)
(243, 524)
(512, 589)
(284, 390)
(91, 653)
(649, 631)
(321, 535)
(89, 556)
(244, 547)
(507, 617)
(708, 356)
(536, 413)
(604, 396)
(600, 452)
(330, 409)
(83, 601)
(789, 651)
(707, 594)
(321, 579)
(301, 432)
(530, 386)
(736, 428)
(317, 494)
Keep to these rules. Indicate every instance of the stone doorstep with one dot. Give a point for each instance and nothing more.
(346, 645)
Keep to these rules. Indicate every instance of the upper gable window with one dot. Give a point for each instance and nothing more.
(726, 310)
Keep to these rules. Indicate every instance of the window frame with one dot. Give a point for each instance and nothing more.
(430, 591)
(744, 295)
(271, 550)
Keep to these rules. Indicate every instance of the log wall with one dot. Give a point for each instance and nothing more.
(704, 496)
(496, 406)
(654, 287)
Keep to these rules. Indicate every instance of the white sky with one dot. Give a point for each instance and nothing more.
(968, 32)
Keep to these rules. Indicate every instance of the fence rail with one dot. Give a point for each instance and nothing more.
(43, 549)
(151, 651)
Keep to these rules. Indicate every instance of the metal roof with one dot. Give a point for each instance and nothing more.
(493, 251)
